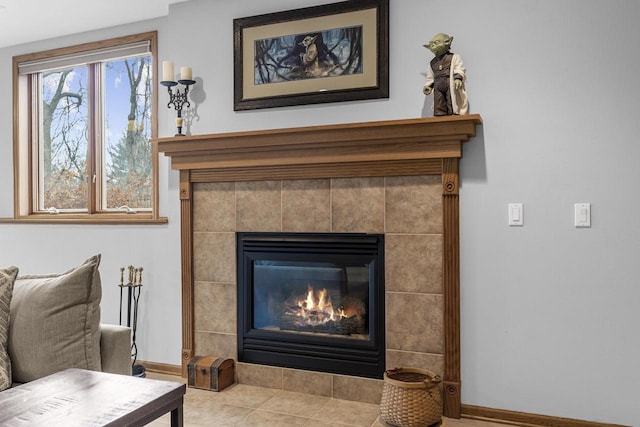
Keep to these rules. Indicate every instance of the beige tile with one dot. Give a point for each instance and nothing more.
(195, 394)
(411, 359)
(215, 344)
(292, 403)
(306, 205)
(259, 375)
(413, 204)
(318, 423)
(214, 257)
(413, 263)
(212, 413)
(349, 413)
(214, 206)
(297, 380)
(215, 307)
(357, 205)
(270, 419)
(364, 390)
(258, 206)
(206, 412)
(238, 394)
(415, 322)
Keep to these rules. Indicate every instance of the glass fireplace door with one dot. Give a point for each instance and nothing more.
(311, 297)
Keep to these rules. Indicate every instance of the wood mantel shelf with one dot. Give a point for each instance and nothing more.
(383, 148)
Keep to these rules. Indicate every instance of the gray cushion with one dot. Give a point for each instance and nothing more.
(55, 322)
(7, 277)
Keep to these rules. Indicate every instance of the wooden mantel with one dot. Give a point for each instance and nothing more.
(425, 146)
(384, 148)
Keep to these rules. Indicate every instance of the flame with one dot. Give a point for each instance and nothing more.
(308, 303)
(317, 308)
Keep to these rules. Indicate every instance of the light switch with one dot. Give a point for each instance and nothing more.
(582, 214)
(516, 214)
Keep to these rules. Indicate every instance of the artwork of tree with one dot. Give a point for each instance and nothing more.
(329, 53)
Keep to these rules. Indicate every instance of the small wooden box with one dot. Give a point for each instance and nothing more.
(210, 373)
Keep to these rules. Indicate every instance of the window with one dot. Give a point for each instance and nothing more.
(82, 128)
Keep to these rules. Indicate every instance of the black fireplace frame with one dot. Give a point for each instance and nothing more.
(339, 355)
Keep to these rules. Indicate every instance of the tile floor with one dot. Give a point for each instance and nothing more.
(250, 406)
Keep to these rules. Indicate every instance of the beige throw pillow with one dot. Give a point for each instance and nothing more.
(7, 277)
(55, 322)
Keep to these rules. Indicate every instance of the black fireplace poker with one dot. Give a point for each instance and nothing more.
(134, 288)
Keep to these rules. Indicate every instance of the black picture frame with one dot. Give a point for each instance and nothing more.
(329, 53)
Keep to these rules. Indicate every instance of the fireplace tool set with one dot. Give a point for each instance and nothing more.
(134, 288)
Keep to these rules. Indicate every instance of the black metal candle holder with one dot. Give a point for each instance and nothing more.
(177, 99)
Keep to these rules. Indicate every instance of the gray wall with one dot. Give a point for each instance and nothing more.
(549, 312)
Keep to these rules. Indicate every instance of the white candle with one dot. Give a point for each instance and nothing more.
(186, 73)
(167, 71)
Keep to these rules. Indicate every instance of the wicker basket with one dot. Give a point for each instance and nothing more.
(411, 398)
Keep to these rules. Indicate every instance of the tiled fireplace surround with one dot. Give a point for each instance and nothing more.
(409, 207)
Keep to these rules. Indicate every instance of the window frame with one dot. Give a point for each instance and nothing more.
(26, 146)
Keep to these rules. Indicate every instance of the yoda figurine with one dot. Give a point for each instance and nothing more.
(446, 78)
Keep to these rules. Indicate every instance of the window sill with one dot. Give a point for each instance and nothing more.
(86, 219)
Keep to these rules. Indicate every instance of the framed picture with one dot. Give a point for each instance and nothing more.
(328, 53)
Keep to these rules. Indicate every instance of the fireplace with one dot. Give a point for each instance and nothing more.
(252, 180)
(312, 301)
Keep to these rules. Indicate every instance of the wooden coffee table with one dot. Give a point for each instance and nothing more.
(77, 397)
